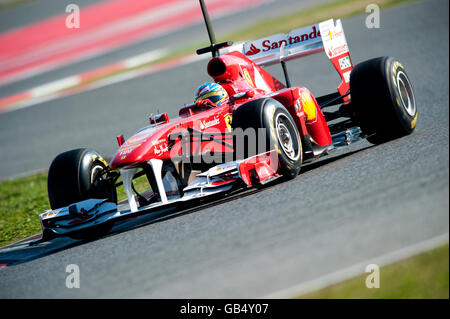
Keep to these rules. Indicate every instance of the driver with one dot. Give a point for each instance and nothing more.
(213, 92)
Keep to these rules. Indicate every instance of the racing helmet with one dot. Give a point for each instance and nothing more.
(213, 92)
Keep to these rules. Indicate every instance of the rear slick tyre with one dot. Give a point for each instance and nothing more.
(383, 99)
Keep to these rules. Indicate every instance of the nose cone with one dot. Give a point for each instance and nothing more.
(148, 143)
(129, 153)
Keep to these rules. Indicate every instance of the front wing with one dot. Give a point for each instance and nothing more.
(219, 179)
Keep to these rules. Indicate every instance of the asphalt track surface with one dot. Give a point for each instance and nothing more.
(362, 202)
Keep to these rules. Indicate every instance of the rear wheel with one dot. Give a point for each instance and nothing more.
(280, 131)
(383, 99)
(77, 175)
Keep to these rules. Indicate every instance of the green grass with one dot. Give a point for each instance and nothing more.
(424, 276)
(7, 4)
(21, 202)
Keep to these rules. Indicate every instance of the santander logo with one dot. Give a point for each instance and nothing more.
(205, 124)
(294, 38)
(253, 50)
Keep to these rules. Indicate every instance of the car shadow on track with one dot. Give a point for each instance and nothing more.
(29, 250)
(330, 159)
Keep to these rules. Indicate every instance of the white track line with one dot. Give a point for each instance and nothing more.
(144, 58)
(55, 86)
(358, 269)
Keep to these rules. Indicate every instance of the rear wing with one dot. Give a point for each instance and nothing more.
(284, 47)
(324, 36)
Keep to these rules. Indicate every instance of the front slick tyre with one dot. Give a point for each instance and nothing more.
(383, 99)
(77, 175)
(279, 130)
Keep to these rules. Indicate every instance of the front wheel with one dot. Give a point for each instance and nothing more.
(383, 99)
(78, 175)
(280, 134)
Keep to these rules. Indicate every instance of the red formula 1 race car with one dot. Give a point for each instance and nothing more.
(246, 129)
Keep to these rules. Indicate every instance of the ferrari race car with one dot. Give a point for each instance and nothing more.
(265, 131)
